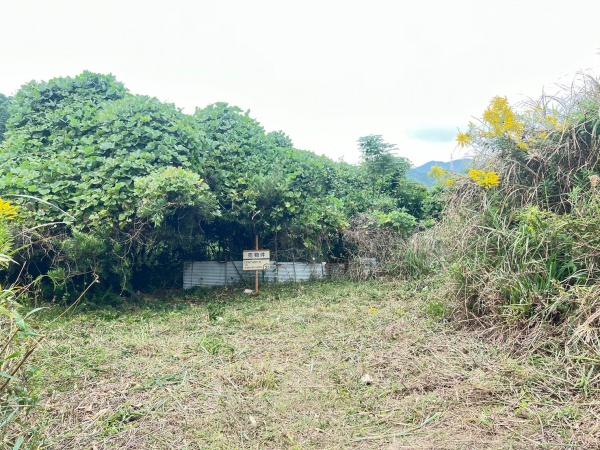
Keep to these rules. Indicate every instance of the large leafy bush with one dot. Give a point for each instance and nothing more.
(133, 186)
(80, 144)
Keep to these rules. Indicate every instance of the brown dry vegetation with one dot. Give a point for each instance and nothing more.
(334, 365)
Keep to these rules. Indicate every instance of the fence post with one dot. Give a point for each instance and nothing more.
(256, 271)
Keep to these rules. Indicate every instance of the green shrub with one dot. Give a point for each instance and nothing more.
(400, 221)
(163, 192)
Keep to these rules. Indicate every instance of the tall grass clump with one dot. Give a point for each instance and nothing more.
(17, 339)
(520, 236)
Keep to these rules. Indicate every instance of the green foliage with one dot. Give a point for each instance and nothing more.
(434, 203)
(84, 150)
(416, 263)
(412, 197)
(528, 261)
(80, 143)
(385, 169)
(85, 253)
(19, 341)
(437, 310)
(4, 104)
(522, 251)
(291, 198)
(386, 175)
(318, 224)
(6, 244)
(142, 186)
(279, 139)
(170, 190)
(376, 151)
(400, 221)
(235, 141)
(215, 345)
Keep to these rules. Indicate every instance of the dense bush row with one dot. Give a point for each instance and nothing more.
(129, 187)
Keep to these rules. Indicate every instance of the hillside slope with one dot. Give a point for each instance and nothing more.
(420, 174)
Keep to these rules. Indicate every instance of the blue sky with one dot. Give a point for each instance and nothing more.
(325, 72)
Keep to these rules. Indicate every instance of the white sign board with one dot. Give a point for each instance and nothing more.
(256, 259)
(255, 264)
(257, 254)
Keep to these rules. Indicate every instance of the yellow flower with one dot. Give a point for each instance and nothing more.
(437, 172)
(486, 180)
(552, 120)
(522, 145)
(7, 210)
(502, 121)
(463, 139)
(373, 311)
(442, 176)
(449, 182)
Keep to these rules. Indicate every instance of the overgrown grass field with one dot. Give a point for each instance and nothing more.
(325, 365)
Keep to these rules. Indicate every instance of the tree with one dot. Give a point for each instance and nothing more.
(385, 169)
(139, 186)
(264, 185)
(379, 159)
(373, 148)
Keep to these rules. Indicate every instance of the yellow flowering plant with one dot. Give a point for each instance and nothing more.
(437, 172)
(502, 121)
(554, 122)
(442, 176)
(486, 180)
(463, 139)
(7, 210)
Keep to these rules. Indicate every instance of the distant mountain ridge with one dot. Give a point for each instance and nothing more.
(421, 173)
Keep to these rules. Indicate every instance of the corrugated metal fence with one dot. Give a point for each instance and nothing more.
(215, 273)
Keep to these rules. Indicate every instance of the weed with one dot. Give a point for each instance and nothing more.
(215, 345)
(437, 310)
(121, 419)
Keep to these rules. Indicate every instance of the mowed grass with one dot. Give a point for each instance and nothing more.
(325, 365)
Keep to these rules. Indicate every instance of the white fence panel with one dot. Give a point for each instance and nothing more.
(298, 272)
(215, 273)
(204, 273)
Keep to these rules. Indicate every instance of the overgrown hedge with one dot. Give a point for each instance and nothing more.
(128, 187)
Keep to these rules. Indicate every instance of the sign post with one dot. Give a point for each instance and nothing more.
(256, 260)
(256, 273)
